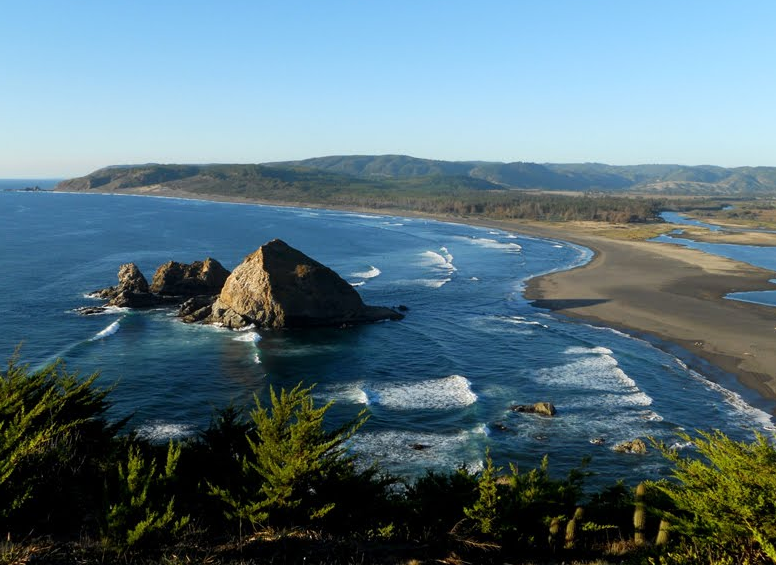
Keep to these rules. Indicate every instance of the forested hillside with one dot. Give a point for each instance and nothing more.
(294, 184)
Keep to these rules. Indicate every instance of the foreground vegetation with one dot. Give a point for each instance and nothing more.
(278, 487)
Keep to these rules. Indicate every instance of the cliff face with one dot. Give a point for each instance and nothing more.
(278, 286)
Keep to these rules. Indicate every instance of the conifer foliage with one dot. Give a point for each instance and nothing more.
(290, 456)
(725, 500)
(144, 509)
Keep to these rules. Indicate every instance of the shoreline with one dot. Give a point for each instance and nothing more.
(669, 295)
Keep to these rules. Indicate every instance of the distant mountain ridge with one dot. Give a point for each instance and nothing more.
(323, 176)
(658, 178)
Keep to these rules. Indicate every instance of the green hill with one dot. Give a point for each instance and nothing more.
(582, 177)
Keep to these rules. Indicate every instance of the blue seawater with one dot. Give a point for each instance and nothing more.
(443, 378)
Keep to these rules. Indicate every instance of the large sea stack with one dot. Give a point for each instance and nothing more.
(278, 286)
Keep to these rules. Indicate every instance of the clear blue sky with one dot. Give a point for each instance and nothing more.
(85, 84)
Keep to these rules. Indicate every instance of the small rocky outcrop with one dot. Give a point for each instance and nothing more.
(635, 446)
(278, 286)
(132, 290)
(173, 283)
(541, 408)
(196, 279)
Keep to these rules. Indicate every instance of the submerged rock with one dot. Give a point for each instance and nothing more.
(278, 286)
(542, 408)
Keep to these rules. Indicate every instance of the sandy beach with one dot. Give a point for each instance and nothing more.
(647, 289)
(672, 293)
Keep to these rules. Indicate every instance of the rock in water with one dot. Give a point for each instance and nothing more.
(635, 446)
(196, 279)
(131, 279)
(132, 290)
(278, 286)
(543, 408)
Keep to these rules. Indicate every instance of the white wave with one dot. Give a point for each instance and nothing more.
(493, 244)
(442, 261)
(474, 279)
(413, 450)
(369, 274)
(256, 358)
(108, 331)
(432, 283)
(248, 337)
(351, 393)
(521, 321)
(360, 283)
(735, 400)
(577, 350)
(595, 372)
(651, 416)
(434, 394)
(558, 246)
(158, 430)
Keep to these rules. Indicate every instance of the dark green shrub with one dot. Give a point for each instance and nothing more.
(289, 459)
(143, 511)
(724, 500)
(54, 444)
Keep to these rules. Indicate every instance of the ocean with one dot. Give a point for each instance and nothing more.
(438, 385)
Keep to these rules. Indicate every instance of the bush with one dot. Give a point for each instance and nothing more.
(724, 501)
(289, 459)
(143, 510)
(53, 441)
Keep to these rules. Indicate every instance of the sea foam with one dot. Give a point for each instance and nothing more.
(248, 337)
(434, 394)
(399, 449)
(158, 430)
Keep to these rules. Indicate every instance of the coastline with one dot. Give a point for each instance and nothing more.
(659, 291)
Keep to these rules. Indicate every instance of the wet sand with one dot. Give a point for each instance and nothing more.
(672, 293)
(661, 290)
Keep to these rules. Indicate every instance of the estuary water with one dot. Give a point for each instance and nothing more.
(757, 255)
(438, 385)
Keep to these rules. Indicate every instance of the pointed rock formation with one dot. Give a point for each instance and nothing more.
(278, 286)
(132, 290)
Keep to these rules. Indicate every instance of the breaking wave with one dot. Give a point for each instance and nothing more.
(108, 331)
(158, 430)
(494, 244)
(369, 274)
(434, 394)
